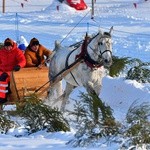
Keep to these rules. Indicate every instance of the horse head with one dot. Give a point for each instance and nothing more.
(100, 48)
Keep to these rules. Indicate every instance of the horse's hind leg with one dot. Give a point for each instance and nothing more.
(97, 89)
(68, 90)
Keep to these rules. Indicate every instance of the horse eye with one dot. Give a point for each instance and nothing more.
(100, 43)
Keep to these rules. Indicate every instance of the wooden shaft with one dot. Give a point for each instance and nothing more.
(60, 76)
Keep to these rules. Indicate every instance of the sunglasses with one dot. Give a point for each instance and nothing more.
(35, 43)
(7, 44)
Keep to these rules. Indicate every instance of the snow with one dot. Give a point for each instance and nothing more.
(41, 19)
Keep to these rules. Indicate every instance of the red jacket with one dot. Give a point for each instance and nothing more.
(9, 59)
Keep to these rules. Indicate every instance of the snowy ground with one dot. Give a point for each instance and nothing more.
(41, 19)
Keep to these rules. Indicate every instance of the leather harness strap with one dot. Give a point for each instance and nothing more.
(87, 59)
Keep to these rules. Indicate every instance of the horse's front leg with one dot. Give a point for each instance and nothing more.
(59, 89)
(97, 88)
(93, 88)
(69, 88)
(55, 92)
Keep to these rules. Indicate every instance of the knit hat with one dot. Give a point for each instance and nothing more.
(34, 41)
(8, 42)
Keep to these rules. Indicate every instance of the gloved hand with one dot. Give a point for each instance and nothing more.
(39, 66)
(36, 65)
(17, 68)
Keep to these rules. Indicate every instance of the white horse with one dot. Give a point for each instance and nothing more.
(95, 52)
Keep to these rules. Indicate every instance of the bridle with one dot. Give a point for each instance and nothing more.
(86, 57)
(95, 50)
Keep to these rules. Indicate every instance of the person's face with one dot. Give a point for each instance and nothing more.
(8, 46)
(35, 46)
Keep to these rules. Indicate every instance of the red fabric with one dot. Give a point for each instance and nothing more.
(77, 4)
(9, 59)
(3, 88)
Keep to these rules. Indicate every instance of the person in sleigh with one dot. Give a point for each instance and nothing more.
(11, 59)
(36, 54)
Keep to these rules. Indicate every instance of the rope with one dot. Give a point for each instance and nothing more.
(140, 34)
(74, 27)
(60, 74)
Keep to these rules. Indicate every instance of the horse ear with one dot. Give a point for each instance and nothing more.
(100, 32)
(111, 29)
(57, 45)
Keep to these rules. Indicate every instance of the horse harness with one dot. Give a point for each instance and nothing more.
(85, 56)
(106, 35)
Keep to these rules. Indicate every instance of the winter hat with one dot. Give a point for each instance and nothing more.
(22, 47)
(8, 42)
(34, 41)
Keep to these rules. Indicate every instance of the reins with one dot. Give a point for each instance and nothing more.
(77, 61)
(60, 75)
(86, 57)
(82, 56)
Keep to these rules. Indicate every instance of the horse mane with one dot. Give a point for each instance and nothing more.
(57, 47)
(107, 34)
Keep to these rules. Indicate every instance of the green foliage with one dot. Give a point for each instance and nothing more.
(118, 65)
(137, 130)
(137, 117)
(138, 112)
(139, 72)
(93, 119)
(6, 123)
(135, 68)
(39, 116)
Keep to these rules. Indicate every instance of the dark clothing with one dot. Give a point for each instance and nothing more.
(4, 87)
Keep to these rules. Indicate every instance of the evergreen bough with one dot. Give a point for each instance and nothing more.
(138, 117)
(39, 116)
(136, 131)
(118, 65)
(139, 72)
(134, 69)
(6, 123)
(93, 119)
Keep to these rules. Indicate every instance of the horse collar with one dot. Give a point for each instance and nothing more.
(83, 49)
(91, 63)
(87, 59)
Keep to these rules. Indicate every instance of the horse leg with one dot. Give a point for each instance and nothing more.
(59, 89)
(93, 88)
(68, 90)
(97, 89)
(55, 91)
